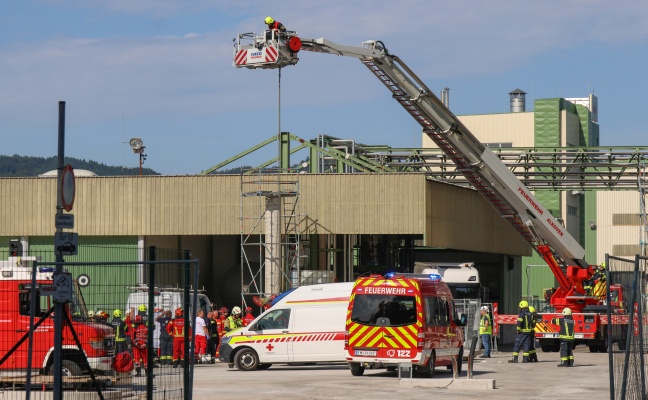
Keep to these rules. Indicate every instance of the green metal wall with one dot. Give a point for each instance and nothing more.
(107, 288)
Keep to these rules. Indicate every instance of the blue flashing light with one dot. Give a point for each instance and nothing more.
(45, 269)
(435, 277)
(389, 275)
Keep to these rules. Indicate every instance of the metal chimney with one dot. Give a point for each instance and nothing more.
(445, 96)
(518, 100)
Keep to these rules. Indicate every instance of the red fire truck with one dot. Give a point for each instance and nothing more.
(481, 167)
(15, 304)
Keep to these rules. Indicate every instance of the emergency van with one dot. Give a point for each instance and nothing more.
(394, 319)
(15, 304)
(305, 326)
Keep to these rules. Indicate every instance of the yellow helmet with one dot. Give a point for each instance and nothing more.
(118, 313)
(531, 309)
(567, 311)
(142, 308)
(269, 20)
(524, 304)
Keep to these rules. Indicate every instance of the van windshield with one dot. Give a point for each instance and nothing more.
(384, 310)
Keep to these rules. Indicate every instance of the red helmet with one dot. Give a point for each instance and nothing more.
(178, 312)
(138, 319)
(224, 310)
(102, 315)
(248, 309)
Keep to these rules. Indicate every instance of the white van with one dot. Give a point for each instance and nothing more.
(165, 299)
(305, 326)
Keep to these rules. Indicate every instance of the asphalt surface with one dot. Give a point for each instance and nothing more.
(542, 380)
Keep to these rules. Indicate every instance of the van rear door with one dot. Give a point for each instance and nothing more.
(384, 321)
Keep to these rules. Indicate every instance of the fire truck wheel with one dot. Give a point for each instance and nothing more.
(70, 368)
(262, 367)
(428, 370)
(246, 360)
(545, 348)
(357, 369)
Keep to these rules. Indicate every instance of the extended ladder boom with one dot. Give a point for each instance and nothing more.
(476, 162)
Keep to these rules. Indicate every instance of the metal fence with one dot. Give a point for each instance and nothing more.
(110, 333)
(627, 328)
(469, 308)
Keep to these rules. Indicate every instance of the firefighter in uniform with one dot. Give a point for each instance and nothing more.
(566, 336)
(176, 328)
(249, 317)
(166, 341)
(212, 329)
(273, 26)
(524, 333)
(485, 331)
(535, 318)
(234, 321)
(593, 285)
(220, 324)
(140, 353)
(120, 328)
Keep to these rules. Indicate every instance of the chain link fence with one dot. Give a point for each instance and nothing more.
(113, 330)
(627, 328)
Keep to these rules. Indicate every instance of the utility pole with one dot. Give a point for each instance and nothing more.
(279, 122)
(58, 306)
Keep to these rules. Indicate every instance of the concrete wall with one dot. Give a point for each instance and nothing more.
(516, 128)
(459, 218)
(617, 224)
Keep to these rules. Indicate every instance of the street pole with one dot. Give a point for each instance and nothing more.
(58, 306)
(279, 122)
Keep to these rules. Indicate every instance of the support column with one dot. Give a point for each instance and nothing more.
(141, 275)
(272, 239)
(25, 245)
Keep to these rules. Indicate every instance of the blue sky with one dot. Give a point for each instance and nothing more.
(164, 66)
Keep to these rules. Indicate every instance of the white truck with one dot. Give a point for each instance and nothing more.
(462, 278)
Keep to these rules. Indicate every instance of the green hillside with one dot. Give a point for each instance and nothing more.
(25, 166)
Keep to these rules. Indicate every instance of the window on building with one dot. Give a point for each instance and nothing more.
(572, 211)
(499, 145)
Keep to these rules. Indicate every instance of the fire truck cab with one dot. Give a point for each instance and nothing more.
(15, 304)
(394, 319)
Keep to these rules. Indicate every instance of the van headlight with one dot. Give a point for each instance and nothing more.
(225, 339)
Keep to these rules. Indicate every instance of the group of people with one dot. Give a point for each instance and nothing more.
(131, 334)
(525, 338)
(212, 327)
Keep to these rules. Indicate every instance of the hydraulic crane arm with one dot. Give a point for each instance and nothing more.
(474, 160)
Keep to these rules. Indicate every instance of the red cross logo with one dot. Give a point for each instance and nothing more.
(269, 347)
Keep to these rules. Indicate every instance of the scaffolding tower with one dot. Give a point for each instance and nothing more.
(272, 253)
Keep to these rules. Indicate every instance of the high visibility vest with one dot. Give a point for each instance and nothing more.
(177, 328)
(483, 329)
(525, 322)
(234, 323)
(120, 328)
(566, 325)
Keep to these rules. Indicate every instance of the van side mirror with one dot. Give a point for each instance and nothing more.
(463, 320)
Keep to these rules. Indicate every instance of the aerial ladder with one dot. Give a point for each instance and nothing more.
(487, 174)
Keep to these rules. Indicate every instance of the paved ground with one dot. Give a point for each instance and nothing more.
(588, 380)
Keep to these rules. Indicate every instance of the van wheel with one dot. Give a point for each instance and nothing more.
(357, 369)
(246, 360)
(68, 368)
(427, 371)
(262, 367)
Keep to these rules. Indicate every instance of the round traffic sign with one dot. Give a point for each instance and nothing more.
(83, 280)
(68, 188)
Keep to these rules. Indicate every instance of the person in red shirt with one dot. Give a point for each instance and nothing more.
(220, 326)
(140, 353)
(247, 320)
(176, 328)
